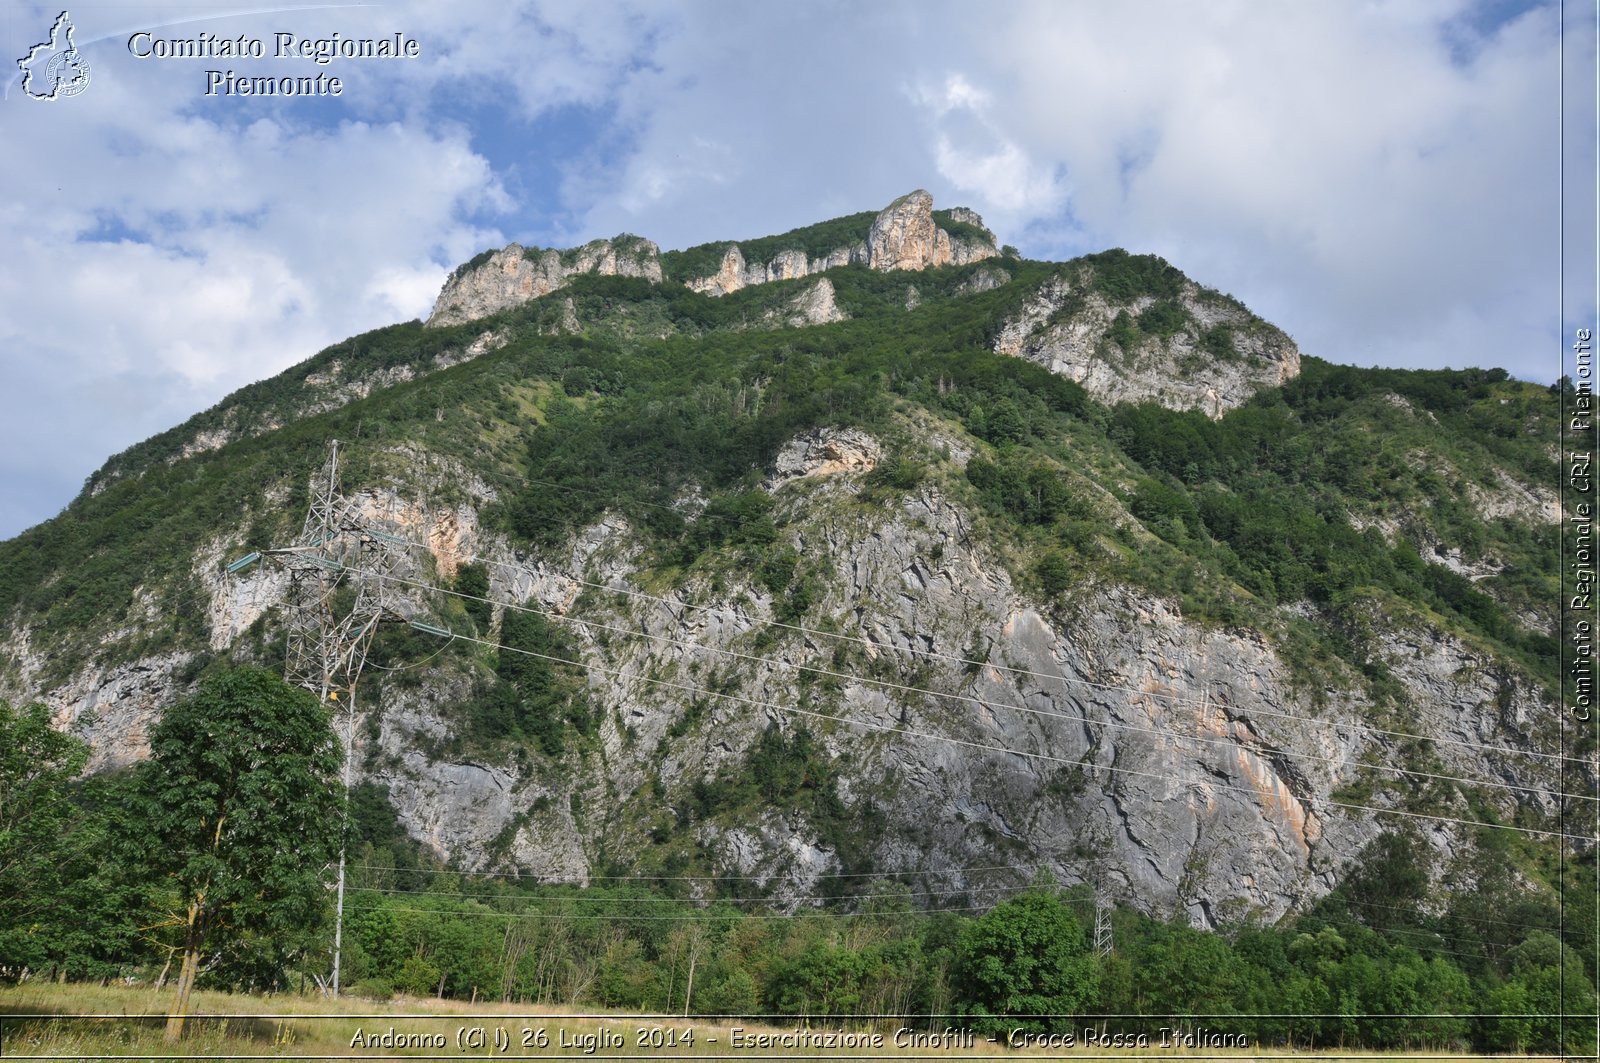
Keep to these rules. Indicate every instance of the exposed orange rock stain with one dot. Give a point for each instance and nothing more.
(444, 542)
(1157, 688)
(1277, 800)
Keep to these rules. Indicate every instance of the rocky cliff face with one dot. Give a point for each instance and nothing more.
(965, 719)
(904, 236)
(735, 273)
(1180, 768)
(1177, 767)
(515, 274)
(813, 306)
(1068, 329)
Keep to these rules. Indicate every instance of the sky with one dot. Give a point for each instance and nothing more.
(1381, 180)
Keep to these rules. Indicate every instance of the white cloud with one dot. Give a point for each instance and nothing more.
(1333, 165)
(263, 237)
(406, 292)
(1375, 178)
(165, 252)
(1378, 179)
(973, 153)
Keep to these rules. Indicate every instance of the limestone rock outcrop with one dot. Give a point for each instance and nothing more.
(515, 274)
(735, 273)
(814, 305)
(825, 452)
(1068, 329)
(905, 235)
(1176, 766)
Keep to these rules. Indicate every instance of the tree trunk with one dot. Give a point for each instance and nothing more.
(697, 939)
(672, 971)
(161, 979)
(186, 975)
(193, 937)
(688, 989)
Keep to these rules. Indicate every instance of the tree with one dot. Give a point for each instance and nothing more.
(1551, 975)
(242, 796)
(68, 904)
(1178, 970)
(37, 763)
(1027, 959)
(472, 582)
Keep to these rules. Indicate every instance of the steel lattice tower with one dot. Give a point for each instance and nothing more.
(1102, 927)
(338, 558)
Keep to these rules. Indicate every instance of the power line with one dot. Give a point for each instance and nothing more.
(986, 704)
(1414, 911)
(567, 898)
(1102, 929)
(997, 749)
(326, 653)
(710, 917)
(698, 878)
(884, 684)
(1044, 757)
(1064, 680)
(969, 663)
(891, 877)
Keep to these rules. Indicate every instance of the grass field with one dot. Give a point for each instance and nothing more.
(85, 1022)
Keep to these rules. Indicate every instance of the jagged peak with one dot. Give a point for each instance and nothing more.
(907, 234)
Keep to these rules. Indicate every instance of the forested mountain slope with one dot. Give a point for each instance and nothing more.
(919, 560)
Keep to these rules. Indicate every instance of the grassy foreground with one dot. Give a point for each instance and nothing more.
(86, 1022)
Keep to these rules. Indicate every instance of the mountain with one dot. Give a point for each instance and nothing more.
(869, 549)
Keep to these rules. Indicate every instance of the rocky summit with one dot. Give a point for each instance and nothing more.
(871, 548)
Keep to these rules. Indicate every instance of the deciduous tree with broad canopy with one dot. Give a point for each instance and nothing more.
(1027, 964)
(244, 818)
(36, 764)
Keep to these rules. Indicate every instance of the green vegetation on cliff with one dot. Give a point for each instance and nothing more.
(1317, 514)
(1377, 965)
(1343, 481)
(814, 241)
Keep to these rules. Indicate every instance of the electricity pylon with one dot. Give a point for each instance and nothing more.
(338, 550)
(1102, 925)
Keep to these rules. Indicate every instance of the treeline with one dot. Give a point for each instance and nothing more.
(210, 864)
(1377, 964)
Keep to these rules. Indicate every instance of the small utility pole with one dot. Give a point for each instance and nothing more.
(326, 652)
